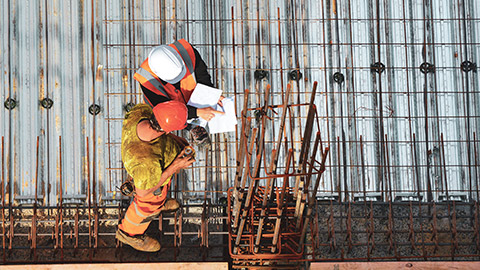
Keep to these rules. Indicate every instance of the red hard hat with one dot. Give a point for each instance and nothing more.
(171, 115)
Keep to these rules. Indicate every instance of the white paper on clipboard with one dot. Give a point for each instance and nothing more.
(204, 96)
(224, 122)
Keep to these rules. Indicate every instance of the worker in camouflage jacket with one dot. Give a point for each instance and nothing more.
(151, 155)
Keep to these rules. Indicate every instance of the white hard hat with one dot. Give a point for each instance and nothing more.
(167, 64)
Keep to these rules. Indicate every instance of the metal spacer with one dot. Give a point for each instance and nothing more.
(94, 109)
(468, 66)
(427, 68)
(295, 75)
(260, 74)
(10, 103)
(46, 103)
(377, 67)
(338, 77)
(129, 106)
(223, 201)
(258, 115)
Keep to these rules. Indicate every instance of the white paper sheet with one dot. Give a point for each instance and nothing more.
(224, 122)
(204, 96)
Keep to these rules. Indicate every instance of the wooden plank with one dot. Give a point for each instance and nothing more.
(413, 265)
(122, 266)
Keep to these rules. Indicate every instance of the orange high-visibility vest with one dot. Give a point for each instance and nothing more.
(149, 80)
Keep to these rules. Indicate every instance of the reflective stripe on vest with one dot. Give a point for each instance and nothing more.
(186, 57)
(149, 77)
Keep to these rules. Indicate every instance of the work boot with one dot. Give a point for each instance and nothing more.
(200, 137)
(138, 242)
(171, 205)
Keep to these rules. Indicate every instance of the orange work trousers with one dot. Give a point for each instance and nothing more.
(142, 211)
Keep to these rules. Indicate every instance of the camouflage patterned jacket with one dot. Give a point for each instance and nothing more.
(145, 161)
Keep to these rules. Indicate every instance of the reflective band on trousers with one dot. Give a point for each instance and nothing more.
(131, 222)
(142, 211)
(136, 210)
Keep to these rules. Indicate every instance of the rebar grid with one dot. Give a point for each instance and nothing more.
(356, 231)
(415, 163)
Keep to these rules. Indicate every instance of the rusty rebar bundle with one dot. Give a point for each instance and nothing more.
(269, 220)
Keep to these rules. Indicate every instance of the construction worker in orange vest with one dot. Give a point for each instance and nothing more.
(151, 155)
(171, 72)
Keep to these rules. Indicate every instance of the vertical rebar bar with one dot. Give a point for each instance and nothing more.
(256, 170)
(312, 198)
(238, 203)
(281, 203)
(34, 216)
(282, 131)
(241, 153)
(60, 193)
(3, 201)
(234, 64)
